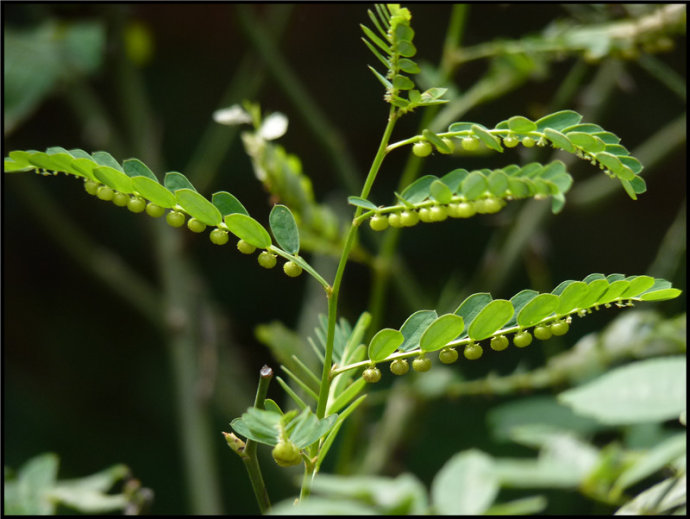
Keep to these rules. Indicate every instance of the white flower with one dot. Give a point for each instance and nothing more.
(232, 115)
(274, 126)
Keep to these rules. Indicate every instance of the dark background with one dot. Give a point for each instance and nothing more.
(86, 377)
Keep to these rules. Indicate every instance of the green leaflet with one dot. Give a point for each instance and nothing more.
(198, 207)
(537, 309)
(284, 228)
(491, 318)
(361, 202)
(174, 180)
(559, 140)
(248, 229)
(136, 168)
(227, 203)
(113, 178)
(414, 326)
(153, 191)
(520, 124)
(385, 342)
(559, 120)
(441, 331)
(106, 159)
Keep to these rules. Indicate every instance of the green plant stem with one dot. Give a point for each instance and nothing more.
(349, 242)
(249, 457)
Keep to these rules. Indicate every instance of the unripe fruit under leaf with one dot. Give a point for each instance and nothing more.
(120, 199)
(542, 333)
(461, 210)
(560, 328)
(449, 143)
(522, 339)
(292, 269)
(399, 366)
(425, 215)
(499, 343)
(378, 222)
(105, 193)
(470, 143)
(421, 148)
(267, 260)
(473, 351)
(511, 141)
(175, 219)
(421, 364)
(154, 210)
(394, 220)
(136, 204)
(195, 225)
(448, 355)
(219, 237)
(528, 142)
(409, 218)
(91, 187)
(286, 454)
(492, 205)
(372, 375)
(244, 247)
(438, 213)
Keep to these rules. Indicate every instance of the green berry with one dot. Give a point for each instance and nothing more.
(473, 351)
(492, 205)
(372, 375)
(195, 225)
(499, 343)
(522, 339)
(528, 142)
(136, 204)
(120, 199)
(399, 366)
(448, 355)
(91, 187)
(394, 220)
(409, 218)
(219, 237)
(175, 219)
(470, 143)
(425, 215)
(378, 222)
(542, 333)
(244, 247)
(267, 260)
(105, 193)
(438, 213)
(421, 364)
(511, 141)
(154, 210)
(560, 328)
(292, 269)
(286, 454)
(461, 210)
(450, 145)
(421, 148)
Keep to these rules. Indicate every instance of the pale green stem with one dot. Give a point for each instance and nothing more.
(349, 242)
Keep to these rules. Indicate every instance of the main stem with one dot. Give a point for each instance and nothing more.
(349, 242)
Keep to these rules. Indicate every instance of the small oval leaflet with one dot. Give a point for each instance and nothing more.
(198, 207)
(284, 228)
(441, 331)
(537, 309)
(491, 318)
(384, 343)
(113, 178)
(153, 191)
(248, 229)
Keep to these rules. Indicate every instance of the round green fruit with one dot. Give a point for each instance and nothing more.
(286, 454)
(470, 143)
(91, 187)
(120, 199)
(448, 355)
(473, 351)
(175, 219)
(421, 148)
(421, 364)
(425, 215)
(522, 339)
(511, 141)
(154, 210)
(244, 247)
(499, 343)
(378, 222)
(267, 260)
(528, 142)
(394, 220)
(409, 218)
(400, 366)
(492, 205)
(105, 193)
(438, 213)
(372, 375)
(292, 269)
(560, 328)
(542, 333)
(450, 144)
(136, 204)
(461, 210)
(219, 237)
(195, 225)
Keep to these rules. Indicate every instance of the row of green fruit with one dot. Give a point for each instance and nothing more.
(472, 351)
